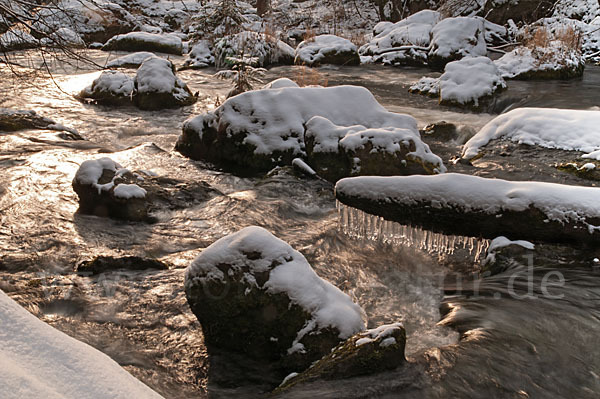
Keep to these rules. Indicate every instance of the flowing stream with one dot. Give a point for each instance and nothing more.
(500, 337)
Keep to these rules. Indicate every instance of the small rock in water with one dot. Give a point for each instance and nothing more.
(255, 295)
(103, 264)
(368, 352)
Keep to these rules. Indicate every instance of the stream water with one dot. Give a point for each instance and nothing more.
(499, 336)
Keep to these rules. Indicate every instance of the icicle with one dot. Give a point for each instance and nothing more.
(360, 225)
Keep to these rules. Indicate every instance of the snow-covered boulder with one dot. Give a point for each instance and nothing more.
(157, 86)
(200, 56)
(262, 49)
(335, 152)
(258, 130)
(111, 88)
(553, 62)
(63, 37)
(402, 43)
(468, 82)
(39, 361)
(280, 83)
(144, 41)
(133, 60)
(16, 39)
(254, 294)
(176, 18)
(13, 120)
(327, 49)
(455, 38)
(370, 352)
(473, 206)
(93, 21)
(565, 129)
(106, 189)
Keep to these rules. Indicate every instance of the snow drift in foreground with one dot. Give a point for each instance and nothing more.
(563, 129)
(293, 276)
(38, 361)
(558, 202)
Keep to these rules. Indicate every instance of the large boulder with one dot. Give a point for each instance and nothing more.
(455, 38)
(111, 88)
(464, 205)
(157, 86)
(469, 82)
(335, 152)
(144, 41)
(369, 352)
(133, 60)
(552, 62)
(106, 189)
(327, 49)
(259, 49)
(94, 22)
(564, 129)
(258, 130)
(17, 39)
(256, 295)
(200, 56)
(402, 43)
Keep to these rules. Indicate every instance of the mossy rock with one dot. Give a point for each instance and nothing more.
(578, 169)
(442, 131)
(365, 353)
(565, 73)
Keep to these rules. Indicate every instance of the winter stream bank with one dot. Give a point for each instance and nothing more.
(515, 341)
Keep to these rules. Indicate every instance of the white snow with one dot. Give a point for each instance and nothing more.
(163, 39)
(293, 276)
(63, 37)
(460, 35)
(574, 130)
(381, 333)
(114, 82)
(201, 55)
(280, 83)
(133, 59)
(90, 171)
(585, 10)
(523, 60)
(303, 166)
(427, 85)
(156, 75)
(502, 242)
(412, 31)
(274, 119)
(128, 191)
(331, 138)
(465, 81)
(558, 202)
(17, 39)
(470, 79)
(265, 49)
(316, 49)
(38, 361)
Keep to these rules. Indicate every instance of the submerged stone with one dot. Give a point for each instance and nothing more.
(103, 264)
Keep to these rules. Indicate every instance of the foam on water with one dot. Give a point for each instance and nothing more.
(361, 225)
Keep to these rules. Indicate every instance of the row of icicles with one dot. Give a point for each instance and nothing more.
(360, 225)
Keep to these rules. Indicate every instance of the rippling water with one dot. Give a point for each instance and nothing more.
(509, 347)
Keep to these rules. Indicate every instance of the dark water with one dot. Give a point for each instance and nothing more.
(486, 346)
